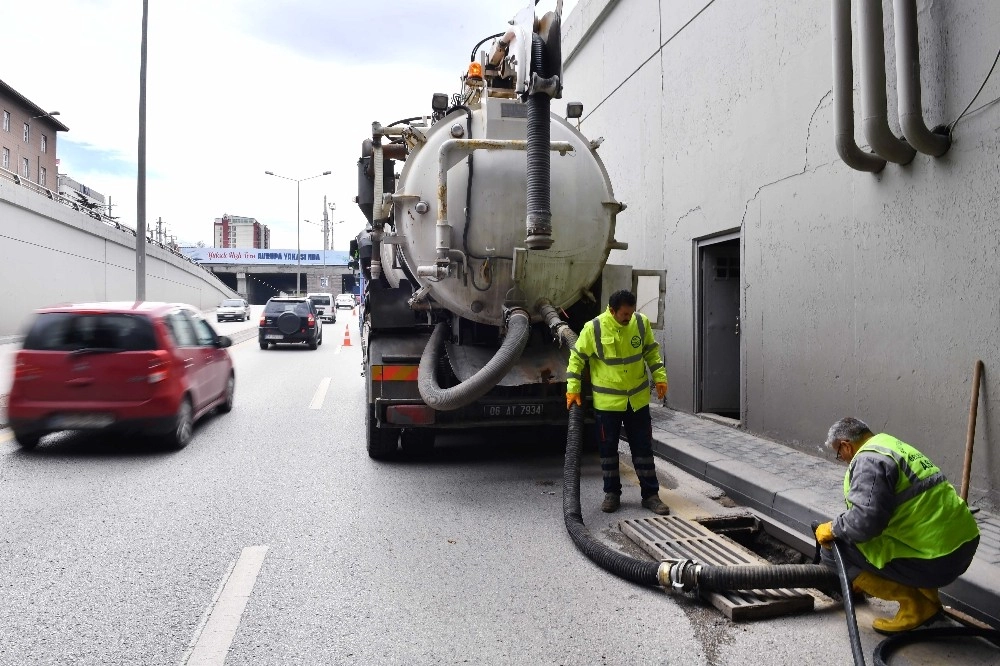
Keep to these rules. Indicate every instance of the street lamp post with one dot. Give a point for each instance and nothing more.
(298, 223)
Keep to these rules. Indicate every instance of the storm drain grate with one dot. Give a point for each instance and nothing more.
(674, 538)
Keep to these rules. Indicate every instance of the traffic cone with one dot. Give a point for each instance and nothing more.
(347, 336)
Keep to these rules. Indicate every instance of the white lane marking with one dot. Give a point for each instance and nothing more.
(219, 630)
(320, 395)
(208, 611)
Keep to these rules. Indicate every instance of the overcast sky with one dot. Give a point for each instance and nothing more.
(234, 88)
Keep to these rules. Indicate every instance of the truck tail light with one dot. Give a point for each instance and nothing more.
(409, 415)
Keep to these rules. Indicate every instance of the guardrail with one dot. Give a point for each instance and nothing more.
(41, 190)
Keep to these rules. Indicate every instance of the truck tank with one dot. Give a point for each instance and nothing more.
(487, 216)
(485, 252)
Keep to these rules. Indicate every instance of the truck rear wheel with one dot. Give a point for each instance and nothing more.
(382, 442)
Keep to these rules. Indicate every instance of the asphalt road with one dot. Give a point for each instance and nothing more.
(115, 552)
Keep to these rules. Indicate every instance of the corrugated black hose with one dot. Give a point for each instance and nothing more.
(638, 571)
(646, 572)
(479, 384)
(539, 132)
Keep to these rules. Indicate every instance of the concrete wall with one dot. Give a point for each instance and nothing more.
(865, 295)
(54, 254)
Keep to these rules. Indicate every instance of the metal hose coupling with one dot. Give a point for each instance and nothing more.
(678, 575)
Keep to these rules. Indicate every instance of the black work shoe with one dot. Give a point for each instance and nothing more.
(611, 502)
(656, 505)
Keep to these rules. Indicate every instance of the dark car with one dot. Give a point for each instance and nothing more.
(290, 319)
(152, 368)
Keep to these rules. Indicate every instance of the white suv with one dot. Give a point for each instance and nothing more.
(345, 301)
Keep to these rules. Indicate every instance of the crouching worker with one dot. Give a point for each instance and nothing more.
(619, 345)
(905, 533)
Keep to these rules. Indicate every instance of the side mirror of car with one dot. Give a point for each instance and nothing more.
(224, 341)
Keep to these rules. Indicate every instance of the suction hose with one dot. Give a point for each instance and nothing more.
(479, 384)
(680, 575)
(684, 575)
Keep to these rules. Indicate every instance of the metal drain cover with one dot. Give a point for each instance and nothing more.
(671, 538)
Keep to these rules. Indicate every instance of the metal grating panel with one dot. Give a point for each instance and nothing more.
(672, 538)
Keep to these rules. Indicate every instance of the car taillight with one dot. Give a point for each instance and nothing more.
(24, 371)
(263, 320)
(159, 367)
(311, 321)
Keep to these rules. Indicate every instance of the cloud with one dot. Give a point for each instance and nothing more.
(87, 158)
(237, 87)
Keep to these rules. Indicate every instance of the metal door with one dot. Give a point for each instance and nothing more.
(719, 327)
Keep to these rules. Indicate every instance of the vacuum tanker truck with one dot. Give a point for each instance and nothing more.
(485, 251)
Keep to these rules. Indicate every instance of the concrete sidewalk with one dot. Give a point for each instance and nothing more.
(795, 489)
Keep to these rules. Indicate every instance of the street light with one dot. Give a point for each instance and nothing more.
(45, 115)
(332, 225)
(298, 222)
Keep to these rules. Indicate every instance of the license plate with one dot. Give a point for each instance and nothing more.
(508, 411)
(71, 421)
(274, 336)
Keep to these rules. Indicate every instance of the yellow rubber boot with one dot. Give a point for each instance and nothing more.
(914, 608)
(932, 594)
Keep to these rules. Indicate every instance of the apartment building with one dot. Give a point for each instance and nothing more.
(238, 231)
(27, 139)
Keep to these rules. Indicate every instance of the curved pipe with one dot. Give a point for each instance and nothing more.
(911, 114)
(476, 386)
(560, 329)
(449, 154)
(875, 119)
(843, 94)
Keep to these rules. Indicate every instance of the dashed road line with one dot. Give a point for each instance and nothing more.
(215, 634)
(320, 395)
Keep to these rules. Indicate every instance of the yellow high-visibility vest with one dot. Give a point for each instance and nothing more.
(618, 357)
(930, 520)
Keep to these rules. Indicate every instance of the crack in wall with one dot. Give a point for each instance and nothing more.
(693, 210)
(829, 93)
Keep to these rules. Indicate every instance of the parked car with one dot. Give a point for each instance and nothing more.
(151, 368)
(290, 319)
(324, 306)
(345, 301)
(235, 309)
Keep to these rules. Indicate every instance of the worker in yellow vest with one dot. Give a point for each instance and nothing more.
(619, 346)
(905, 533)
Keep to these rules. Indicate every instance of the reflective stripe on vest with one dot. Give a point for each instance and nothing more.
(917, 485)
(617, 361)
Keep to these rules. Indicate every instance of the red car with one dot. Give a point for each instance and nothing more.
(153, 368)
